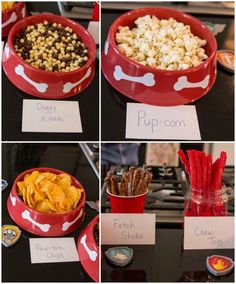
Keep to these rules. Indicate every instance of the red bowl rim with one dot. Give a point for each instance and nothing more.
(126, 197)
(151, 69)
(93, 223)
(91, 59)
(14, 7)
(45, 169)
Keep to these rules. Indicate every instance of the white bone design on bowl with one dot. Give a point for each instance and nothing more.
(183, 83)
(67, 225)
(13, 200)
(106, 47)
(91, 253)
(69, 86)
(23, 12)
(12, 19)
(40, 87)
(7, 51)
(42, 227)
(147, 79)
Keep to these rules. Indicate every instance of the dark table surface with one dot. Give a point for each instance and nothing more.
(16, 265)
(215, 110)
(165, 262)
(12, 102)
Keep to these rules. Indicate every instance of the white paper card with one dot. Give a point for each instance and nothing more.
(152, 122)
(128, 229)
(51, 116)
(46, 250)
(93, 29)
(209, 232)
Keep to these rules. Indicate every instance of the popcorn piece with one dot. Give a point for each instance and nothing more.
(162, 44)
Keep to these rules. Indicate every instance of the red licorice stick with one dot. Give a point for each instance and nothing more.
(204, 182)
(192, 170)
(223, 158)
(184, 161)
(204, 167)
(209, 166)
(215, 174)
(208, 185)
(193, 180)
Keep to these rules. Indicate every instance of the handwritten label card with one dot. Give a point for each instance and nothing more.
(151, 122)
(44, 250)
(128, 229)
(209, 232)
(51, 116)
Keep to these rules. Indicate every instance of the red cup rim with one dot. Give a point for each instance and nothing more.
(113, 29)
(14, 190)
(13, 8)
(127, 197)
(51, 17)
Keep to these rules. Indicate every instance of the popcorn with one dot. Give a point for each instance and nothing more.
(163, 44)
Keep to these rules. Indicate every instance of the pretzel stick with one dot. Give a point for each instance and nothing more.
(126, 178)
(131, 171)
(137, 177)
(122, 189)
(107, 181)
(114, 185)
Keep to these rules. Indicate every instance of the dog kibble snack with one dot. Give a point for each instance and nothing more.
(163, 44)
(51, 47)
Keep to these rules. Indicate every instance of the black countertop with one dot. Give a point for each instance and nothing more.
(16, 265)
(165, 262)
(215, 110)
(12, 102)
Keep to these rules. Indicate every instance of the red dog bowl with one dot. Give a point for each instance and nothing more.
(44, 224)
(153, 86)
(45, 84)
(88, 250)
(127, 204)
(11, 16)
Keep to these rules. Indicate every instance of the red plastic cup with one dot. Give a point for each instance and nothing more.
(127, 204)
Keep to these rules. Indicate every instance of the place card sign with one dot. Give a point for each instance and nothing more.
(128, 229)
(46, 250)
(209, 232)
(152, 122)
(51, 116)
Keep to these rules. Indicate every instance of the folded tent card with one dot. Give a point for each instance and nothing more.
(206, 224)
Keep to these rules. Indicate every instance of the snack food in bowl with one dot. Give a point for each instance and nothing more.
(160, 56)
(47, 202)
(162, 44)
(88, 248)
(11, 13)
(51, 47)
(48, 192)
(49, 56)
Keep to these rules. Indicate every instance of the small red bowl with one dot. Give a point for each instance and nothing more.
(45, 224)
(88, 250)
(153, 86)
(46, 84)
(11, 16)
